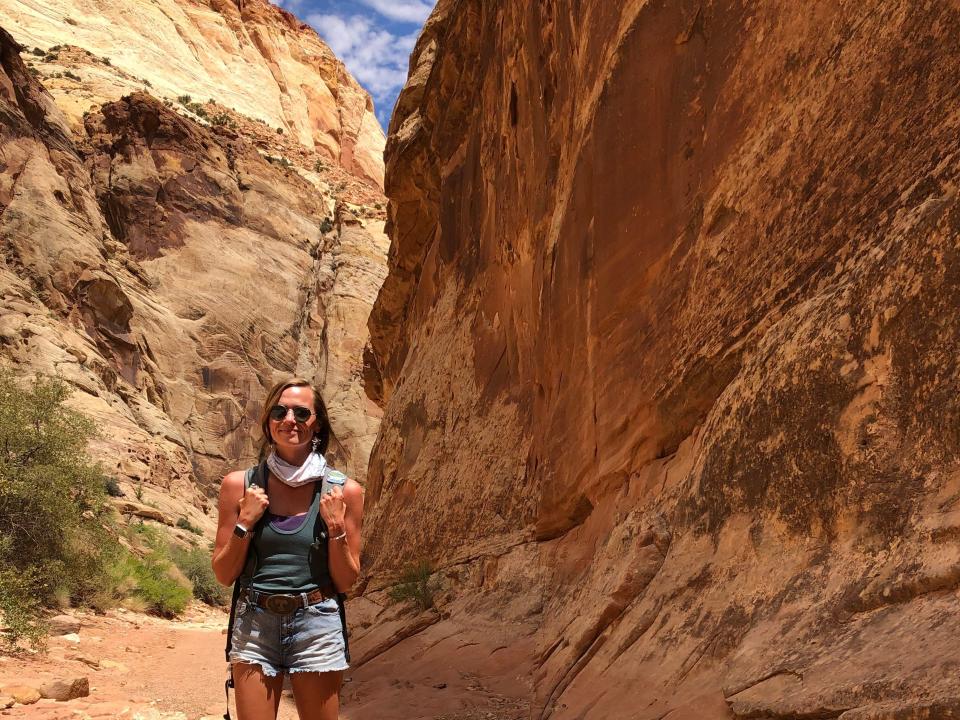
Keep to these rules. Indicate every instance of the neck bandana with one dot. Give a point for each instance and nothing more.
(313, 469)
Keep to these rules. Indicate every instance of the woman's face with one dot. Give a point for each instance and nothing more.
(288, 433)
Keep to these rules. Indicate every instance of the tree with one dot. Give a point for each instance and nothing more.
(53, 517)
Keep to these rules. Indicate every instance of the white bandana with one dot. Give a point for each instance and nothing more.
(313, 469)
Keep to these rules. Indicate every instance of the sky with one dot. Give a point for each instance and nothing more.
(374, 39)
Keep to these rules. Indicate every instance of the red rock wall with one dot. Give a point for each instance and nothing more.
(668, 349)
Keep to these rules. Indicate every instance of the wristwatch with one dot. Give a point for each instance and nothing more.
(240, 531)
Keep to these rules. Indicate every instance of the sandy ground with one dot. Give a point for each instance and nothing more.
(145, 668)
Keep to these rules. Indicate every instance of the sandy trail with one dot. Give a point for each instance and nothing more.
(145, 668)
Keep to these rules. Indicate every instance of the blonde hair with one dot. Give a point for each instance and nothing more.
(321, 432)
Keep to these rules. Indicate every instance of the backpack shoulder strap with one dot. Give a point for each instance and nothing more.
(320, 568)
(256, 475)
(253, 476)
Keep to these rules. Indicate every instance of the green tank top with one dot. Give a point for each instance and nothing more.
(282, 554)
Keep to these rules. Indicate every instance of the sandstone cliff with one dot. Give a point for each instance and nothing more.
(668, 351)
(171, 272)
(247, 55)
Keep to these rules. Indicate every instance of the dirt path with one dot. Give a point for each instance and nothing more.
(145, 668)
(136, 665)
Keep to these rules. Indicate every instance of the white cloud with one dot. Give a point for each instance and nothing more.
(410, 11)
(290, 5)
(376, 57)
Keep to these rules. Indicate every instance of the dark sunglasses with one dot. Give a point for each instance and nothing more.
(300, 414)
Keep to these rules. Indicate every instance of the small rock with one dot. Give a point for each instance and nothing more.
(440, 686)
(6, 702)
(71, 637)
(88, 661)
(63, 625)
(171, 646)
(64, 690)
(23, 694)
(113, 665)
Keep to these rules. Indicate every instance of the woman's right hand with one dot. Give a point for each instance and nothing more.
(253, 505)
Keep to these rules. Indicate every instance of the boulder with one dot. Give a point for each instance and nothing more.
(64, 690)
(63, 625)
(22, 694)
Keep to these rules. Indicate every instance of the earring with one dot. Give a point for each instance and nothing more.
(314, 443)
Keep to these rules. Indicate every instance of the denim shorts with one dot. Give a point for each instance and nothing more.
(309, 639)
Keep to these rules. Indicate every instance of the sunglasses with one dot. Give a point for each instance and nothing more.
(300, 414)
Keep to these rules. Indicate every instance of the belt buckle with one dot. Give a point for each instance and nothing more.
(281, 604)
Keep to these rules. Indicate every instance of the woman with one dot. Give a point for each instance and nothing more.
(285, 622)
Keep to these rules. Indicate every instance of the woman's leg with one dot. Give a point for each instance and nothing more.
(258, 696)
(316, 694)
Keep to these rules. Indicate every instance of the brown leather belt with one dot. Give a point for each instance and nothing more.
(284, 604)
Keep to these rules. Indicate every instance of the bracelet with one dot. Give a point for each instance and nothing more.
(341, 536)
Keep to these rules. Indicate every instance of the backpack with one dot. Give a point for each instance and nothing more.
(319, 568)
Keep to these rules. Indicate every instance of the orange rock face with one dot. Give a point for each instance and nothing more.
(247, 55)
(668, 350)
(171, 273)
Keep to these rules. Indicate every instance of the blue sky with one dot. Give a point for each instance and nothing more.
(373, 37)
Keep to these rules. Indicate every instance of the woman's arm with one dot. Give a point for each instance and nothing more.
(235, 506)
(343, 513)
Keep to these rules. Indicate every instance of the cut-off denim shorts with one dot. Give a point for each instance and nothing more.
(309, 639)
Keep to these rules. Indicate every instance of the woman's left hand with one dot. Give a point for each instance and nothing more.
(333, 510)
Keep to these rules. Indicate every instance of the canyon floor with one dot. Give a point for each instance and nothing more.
(145, 668)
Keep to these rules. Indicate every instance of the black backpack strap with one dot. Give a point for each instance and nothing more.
(320, 569)
(342, 607)
(258, 476)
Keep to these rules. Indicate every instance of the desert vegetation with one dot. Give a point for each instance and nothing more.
(61, 542)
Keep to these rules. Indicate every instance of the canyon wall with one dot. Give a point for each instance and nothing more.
(668, 351)
(172, 271)
(247, 55)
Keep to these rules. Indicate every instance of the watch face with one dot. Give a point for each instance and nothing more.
(239, 531)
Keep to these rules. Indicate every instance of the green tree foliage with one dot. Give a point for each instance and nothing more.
(54, 539)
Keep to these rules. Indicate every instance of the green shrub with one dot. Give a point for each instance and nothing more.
(184, 524)
(22, 611)
(112, 487)
(163, 595)
(279, 131)
(195, 565)
(154, 578)
(55, 536)
(326, 225)
(417, 584)
(105, 60)
(72, 76)
(38, 52)
(149, 579)
(223, 119)
(184, 99)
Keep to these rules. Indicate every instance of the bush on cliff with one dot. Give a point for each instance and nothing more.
(417, 584)
(54, 538)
